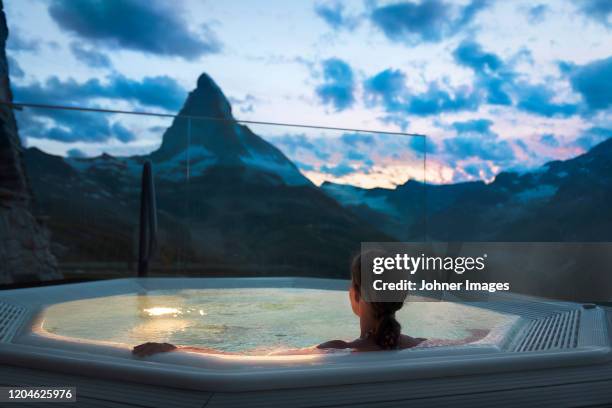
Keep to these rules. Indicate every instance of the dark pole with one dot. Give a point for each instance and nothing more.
(147, 240)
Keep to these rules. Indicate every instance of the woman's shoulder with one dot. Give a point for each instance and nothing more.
(409, 342)
(335, 344)
(355, 345)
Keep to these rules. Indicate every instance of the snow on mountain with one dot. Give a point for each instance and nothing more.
(561, 200)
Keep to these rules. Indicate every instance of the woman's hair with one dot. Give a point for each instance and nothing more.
(388, 330)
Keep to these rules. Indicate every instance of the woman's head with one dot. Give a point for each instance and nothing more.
(388, 330)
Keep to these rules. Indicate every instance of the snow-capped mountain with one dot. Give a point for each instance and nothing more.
(227, 201)
(218, 141)
(562, 201)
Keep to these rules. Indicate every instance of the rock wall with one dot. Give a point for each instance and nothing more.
(25, 254)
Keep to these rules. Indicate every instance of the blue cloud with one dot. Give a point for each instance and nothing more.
(496, 90)
(356, 156)
(148, 26)
(334, 15)
(471, 54)
(246, 104)
(549, 140)
(338, 86)
(354, 139)
(537, 14)
(495, 83)
(492, 75)
(339, 170)
(598, 10)
(476, 170)
(397, 119)
(17, 42)
(295, 144)
(538, 99)
(475, 139)
(75, 153)
(436, 100)
(15, 70)
(90, 57)
(593, 82)
(159, 91)
(593, 136)
(71, 126)
(484, 148)
(422, 144)
(386, 86)
(427, 21)
(481, 126)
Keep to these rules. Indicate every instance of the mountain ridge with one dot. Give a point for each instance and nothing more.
(556, 202)
(227, 199)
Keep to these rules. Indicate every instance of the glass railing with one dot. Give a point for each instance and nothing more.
(232, 198)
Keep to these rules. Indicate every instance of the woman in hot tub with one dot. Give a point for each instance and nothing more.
(379, 329)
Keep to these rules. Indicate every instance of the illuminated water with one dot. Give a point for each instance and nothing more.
(249, 320)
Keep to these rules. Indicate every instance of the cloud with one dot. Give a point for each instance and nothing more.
(593, 82)
(148, 26)
(492, 75)
(537, 14)
(335, 15)
(17, 42)
(387, 87)
(480, 126)
(471, 54)
(549, 140)
(474, 139)
(592, 137)
(598, 10)
(428, 21)
(71, 126)
(495, 83)
(339, 170)
(437, 100)
(362, 158)
(75, 153)
(423, 144)
(246, 104)
(338, 86)
(397, 119)
(354, 139)
(500, 85)
(14, 68)
(90, 57)
(538, 99)
(159, 91)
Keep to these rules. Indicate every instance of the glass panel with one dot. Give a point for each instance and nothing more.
(171, 168)
(286, 200)
(231, 199)
(85, 176)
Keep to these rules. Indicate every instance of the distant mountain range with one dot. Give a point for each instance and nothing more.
(561, 201)
(230, 202)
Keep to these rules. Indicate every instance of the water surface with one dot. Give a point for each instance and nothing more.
(248, 320)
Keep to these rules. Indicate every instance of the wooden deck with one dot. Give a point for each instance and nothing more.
(589, 386)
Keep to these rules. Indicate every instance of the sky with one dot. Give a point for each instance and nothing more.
(495, 85)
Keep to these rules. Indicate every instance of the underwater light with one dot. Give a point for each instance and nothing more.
(161, 311)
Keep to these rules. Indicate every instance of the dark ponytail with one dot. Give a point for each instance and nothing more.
(388, 331)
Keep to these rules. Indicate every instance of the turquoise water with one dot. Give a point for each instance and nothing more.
(248, 320)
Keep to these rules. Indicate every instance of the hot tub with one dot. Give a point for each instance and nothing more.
(251, 327)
